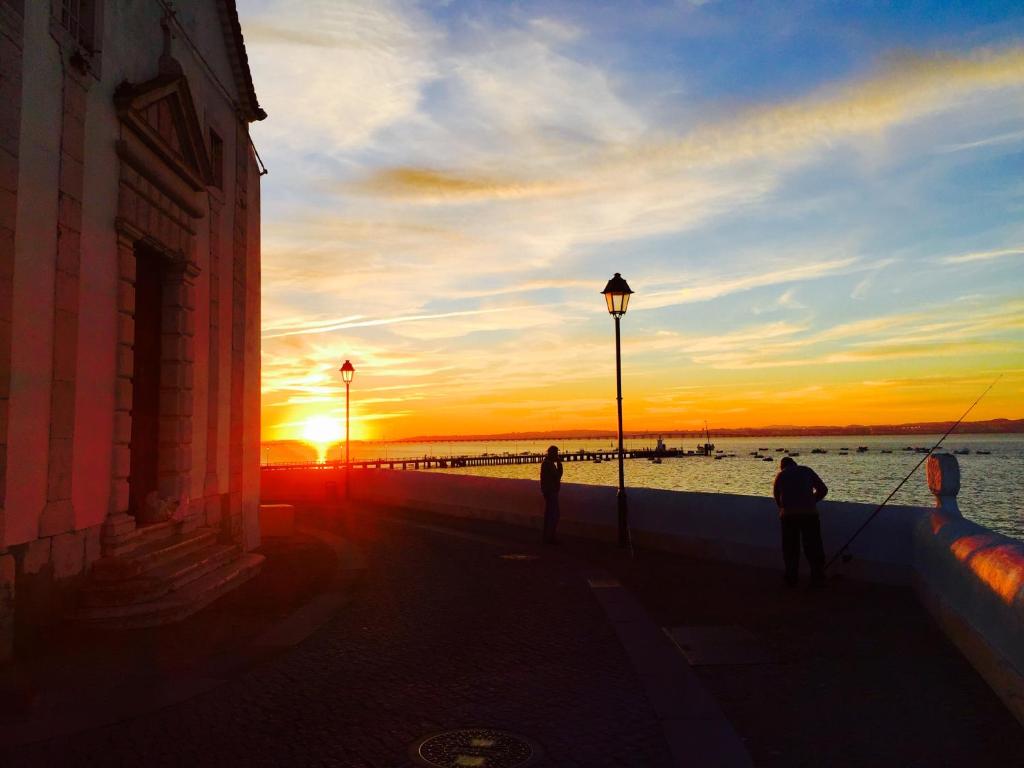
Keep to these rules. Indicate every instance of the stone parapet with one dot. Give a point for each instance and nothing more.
(971, 579)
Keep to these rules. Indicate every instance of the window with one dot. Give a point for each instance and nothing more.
(217, 159)
(79, 18)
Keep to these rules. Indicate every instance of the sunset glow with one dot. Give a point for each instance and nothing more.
(322, 430)
(822, 227)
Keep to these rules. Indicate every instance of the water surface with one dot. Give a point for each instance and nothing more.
(991, 485)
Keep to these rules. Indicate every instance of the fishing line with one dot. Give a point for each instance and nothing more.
(844, 550)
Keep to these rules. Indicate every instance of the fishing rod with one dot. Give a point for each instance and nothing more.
(844, 550)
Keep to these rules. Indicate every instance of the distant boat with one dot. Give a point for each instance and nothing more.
(886, 451)
(763, 449)
(862, 449)
(818, 450)
(983, 453)
(780, 450)
(767, 458)
(597, 459)
(708, 447)
(962, 451)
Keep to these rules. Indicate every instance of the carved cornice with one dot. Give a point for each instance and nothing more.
(136, 159)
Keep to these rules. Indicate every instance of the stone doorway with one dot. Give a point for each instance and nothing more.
(147, 355)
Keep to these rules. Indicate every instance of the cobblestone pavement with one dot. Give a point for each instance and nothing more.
(441, 633)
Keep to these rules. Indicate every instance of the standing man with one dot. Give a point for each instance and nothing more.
(550, 483)
(797, 492)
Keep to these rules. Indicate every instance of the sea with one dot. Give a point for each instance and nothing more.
(991, 467)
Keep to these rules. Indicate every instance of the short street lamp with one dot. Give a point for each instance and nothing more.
(348, 371)
(617, 294)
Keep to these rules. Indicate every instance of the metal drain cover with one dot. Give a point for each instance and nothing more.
(475, 748)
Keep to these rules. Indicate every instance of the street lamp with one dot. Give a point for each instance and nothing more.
(617, 294)
(348, 371)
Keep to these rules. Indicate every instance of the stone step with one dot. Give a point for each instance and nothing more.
(162, 579)
(152, 555)
(178, 604)
(145, 535)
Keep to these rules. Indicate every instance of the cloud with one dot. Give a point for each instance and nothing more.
(358, 322)
(967, 258)
(437, 185)
(1002, 138)
(338, 72)
(737, 284)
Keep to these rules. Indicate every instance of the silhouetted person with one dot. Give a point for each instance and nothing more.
(550, 482)
(797, 492)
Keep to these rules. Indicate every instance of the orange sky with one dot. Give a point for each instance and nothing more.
(822, 227)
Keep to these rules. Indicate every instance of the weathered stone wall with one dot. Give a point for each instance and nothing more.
(67, 293)
(11, 32)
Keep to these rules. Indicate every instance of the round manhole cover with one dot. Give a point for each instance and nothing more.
(475, 747)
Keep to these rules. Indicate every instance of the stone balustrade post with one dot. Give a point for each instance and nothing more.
(944, 481)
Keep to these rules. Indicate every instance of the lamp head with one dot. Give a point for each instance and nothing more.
(617, 294)
(348, 371)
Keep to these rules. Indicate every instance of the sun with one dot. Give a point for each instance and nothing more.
(322, 430)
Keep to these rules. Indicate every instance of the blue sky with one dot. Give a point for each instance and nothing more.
(818, 204)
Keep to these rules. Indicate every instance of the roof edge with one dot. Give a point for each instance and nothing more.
(235, 42)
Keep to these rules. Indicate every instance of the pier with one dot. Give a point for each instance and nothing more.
(485, 460)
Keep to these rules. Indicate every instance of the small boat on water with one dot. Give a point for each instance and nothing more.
(818, 450)
(862, 449)
(597, 459)
(780, 450)
(962, 451)
(767, 458)
(984, 453)
(885, 450)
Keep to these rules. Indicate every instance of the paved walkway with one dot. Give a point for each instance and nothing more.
(441, 632)
(563, 646)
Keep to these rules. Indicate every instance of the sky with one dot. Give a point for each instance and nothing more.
(819, 205)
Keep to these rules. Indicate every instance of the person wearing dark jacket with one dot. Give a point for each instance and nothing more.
(550, 483)
(797, 491)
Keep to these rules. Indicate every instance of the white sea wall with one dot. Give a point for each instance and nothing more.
(972, 581)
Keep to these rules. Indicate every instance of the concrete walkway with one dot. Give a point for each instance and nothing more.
(440, 632)
(457, 623)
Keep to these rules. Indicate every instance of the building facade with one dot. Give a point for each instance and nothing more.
(129, 305)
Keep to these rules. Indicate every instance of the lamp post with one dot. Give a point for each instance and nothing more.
(348, 371)
(617, 294)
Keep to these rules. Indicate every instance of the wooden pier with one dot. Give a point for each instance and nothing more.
(485, 460)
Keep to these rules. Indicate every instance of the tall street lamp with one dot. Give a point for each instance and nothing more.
(348, 371)
(617, 294)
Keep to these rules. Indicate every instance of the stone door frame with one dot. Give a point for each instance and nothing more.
(161, 198)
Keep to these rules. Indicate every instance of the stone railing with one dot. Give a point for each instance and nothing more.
(972, 581)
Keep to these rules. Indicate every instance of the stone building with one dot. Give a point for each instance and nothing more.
(129, 310)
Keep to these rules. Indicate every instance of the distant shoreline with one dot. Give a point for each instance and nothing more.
(990, 427)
